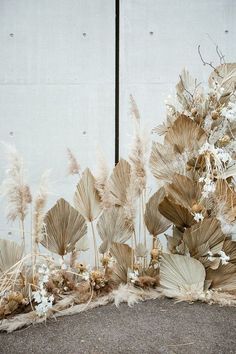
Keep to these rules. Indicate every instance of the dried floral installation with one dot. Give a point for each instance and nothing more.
(194, 205)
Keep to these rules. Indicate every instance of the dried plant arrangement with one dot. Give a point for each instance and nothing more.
(194, 206)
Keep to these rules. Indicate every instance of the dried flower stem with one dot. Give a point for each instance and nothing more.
(95, 247)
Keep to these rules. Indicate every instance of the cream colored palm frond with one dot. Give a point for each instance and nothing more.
(175, 242)
(156, 223)
(184, 191)
(225, 76)
(181, 276)
(223, 278)
(86, 198)
(229, 247)
(112, 227)
(164, 162)
(123, 255)
(186, 89)
(225, 200)
(119, 182)
(10, 253)
(83, 244)
(205, 237)
(185, 135)
(177, 214)
(64, 226)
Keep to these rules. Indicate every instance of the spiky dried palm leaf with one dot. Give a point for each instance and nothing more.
(113, 227)
(164, 162)
(176, 213)
(225, 76)
(223, 278)
(225, 200)
(186, 89)
(123, 255)
(10, 253)
(229, 247)
(86, 198)
(64, 227)
(184, 191)
(205, 237)
(119, 182)
(156, 223)
(181, 276)
(185, 134)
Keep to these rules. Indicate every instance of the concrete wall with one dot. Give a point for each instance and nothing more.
(57, 73)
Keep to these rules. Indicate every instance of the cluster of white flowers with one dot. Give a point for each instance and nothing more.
(85, 274)
(198, 217)
(209, 186)
(133, 275)
(216, 90)
(223, 257)
(218, 153)
(229, 112)
(40, 296)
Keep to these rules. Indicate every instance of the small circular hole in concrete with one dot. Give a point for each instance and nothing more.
(9, 233)
(84, 34)
(11, 133)
(84, 132)
(11, 34)
(151, 33)
(226, 31)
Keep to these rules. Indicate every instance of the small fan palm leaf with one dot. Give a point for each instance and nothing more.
(229, 247)
(64, 227)
(119, 182)
(225, 76)
(176, 213)
(123, 255)
(86, 198)
(113, 227)
(223, 278)
(156, 223)
(185, 134)
(181, 276)
(10, 254)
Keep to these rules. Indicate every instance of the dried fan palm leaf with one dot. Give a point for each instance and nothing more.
(112, 227)
(176, 213)
(83, 244)
(185, 134)
(155, 222)
(86, 198)
(119, 182)
(229, 247)
(175, 243)
(64, 227)
(185, 89)
(225, 200)
(225, 76)
(164, 163)
(181, 276)
(123, 255)
(141, 250)
(204, 237)
(223, 278)
(184, 191)
(10, 254)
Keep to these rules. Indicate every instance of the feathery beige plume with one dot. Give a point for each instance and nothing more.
(123, 255)
(73, 165)
(64, 226)
(14, 188)
(112, 227)
(10, 254)
(86, 198)
(155, 222)
(181, 276)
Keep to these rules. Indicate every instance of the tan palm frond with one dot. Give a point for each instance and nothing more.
(119, 182)
(185, 89)
(176, 213)
(112, 227)
(156, 223)
(223, 278)
(181, 276)
(204, 237)
(10, 253)
(86, 198)
(123, 255)
(164, 162)
(229, 247)
(175, 242)
(225, 200)
(64, 227)
(225, 76)
(184, 191)
(185, 134)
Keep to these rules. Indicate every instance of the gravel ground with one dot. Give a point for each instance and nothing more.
(155, 326)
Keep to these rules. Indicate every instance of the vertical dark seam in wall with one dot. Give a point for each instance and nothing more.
(117, 79)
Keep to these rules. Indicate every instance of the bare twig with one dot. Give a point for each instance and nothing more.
(206, 63)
